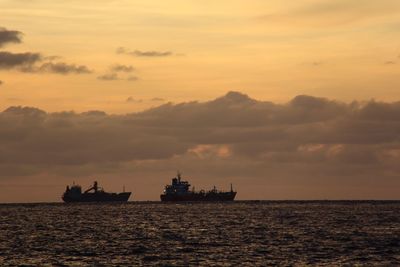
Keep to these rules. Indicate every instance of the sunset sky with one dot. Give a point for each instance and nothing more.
(287, 100)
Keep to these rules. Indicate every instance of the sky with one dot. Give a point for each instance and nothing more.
(284, 100)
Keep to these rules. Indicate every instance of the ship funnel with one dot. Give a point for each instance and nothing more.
(231, 188)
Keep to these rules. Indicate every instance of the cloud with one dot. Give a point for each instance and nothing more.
(114, 77)
(157, 99)
(306, 142)
(30, 61)
(51, 58)
(152, 53)
(390, 63)
(63, 68)
(138, 53)
(109, 77)
(55, 67)
(7, 36)
(122, 68)
(10, 60)
(317, 63)
(133, 100)
(1, 82)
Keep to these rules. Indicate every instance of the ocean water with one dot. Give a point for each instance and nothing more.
(201, 234)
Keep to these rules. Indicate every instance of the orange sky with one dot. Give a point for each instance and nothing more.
(127, 56)
(272, 50)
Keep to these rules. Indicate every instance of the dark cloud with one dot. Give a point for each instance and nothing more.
(8, 36)
(390, 63)
(1, 82)
(30, 61)
(138, 53)
(109, 77)
(122, 68)
(63, 68)
(10, 60)
(306, 142)
(132, 78)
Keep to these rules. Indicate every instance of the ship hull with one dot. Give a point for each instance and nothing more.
(226, 196)
(98, 197)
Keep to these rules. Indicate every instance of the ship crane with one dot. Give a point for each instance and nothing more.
(94, 187)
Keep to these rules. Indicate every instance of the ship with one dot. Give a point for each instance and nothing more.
(93, 194)
(179, 190)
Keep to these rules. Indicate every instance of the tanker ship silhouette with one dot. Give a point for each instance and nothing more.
(179, 191)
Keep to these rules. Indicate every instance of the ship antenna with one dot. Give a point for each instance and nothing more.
(123, 188)
(231, 188)
(179, 176)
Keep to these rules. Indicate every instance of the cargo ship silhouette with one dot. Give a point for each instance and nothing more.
(179, 191)
(93, 194)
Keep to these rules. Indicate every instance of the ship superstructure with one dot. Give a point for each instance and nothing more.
(93, 194)
(179, 190)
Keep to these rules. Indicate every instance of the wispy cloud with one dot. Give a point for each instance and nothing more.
(133, 100)
(139, 53)
(157, 99)
(332, 13)
(109, 77)
(390, 62)
(113, 76)
(115, 71)
(63, 68)
(122, 68)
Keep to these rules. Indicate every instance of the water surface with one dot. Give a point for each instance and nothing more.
(219, 234)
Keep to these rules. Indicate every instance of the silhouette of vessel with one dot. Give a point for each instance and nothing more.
(179, 191)
(93, 194)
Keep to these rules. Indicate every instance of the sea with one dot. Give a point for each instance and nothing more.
(240, 233)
